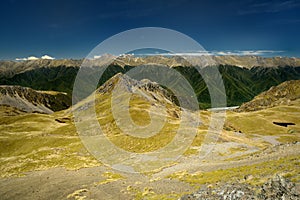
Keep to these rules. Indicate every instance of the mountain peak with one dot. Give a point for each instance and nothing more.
(145, 87)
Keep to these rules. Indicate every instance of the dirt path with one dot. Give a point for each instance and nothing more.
(192, 165)
(59, 183)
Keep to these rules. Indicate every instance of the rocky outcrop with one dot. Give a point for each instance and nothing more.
(145, 88)
(277, 188)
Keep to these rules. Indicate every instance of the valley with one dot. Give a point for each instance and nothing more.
(44, 154)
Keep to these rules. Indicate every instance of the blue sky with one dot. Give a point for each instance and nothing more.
(72, 28)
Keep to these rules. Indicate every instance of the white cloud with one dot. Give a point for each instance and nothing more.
(200, 53)
(47, 57)
(223, 53)
(247, 52)
(96, 57)
(32, 58)
(35, 58)
(21, 59)
(103, 56)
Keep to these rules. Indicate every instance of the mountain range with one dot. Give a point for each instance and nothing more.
(52, 149)
(244, 76)
(9, 68)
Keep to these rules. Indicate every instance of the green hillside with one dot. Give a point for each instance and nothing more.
(241, 84)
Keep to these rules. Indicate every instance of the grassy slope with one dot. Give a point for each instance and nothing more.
(288, 167)
(37, 142)
(261, 122)
(253, 126)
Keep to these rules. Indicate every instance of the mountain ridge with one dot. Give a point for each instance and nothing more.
(29, 100)
(241, 83)
(282, 94)
(131, 85)
(10, 68)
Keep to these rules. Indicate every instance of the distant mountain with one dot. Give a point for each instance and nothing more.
(10, 68)
(283, 94)
(241, 84)
(256, 61)
(29, 100)
(244, 76)
(207, 60)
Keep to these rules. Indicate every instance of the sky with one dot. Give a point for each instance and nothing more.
(72, 28)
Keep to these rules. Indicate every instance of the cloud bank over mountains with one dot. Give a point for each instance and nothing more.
(47, 57)
(223, 53)
(197, 53)
(247, 53)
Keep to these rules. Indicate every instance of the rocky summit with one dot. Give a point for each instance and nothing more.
(145, 88)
